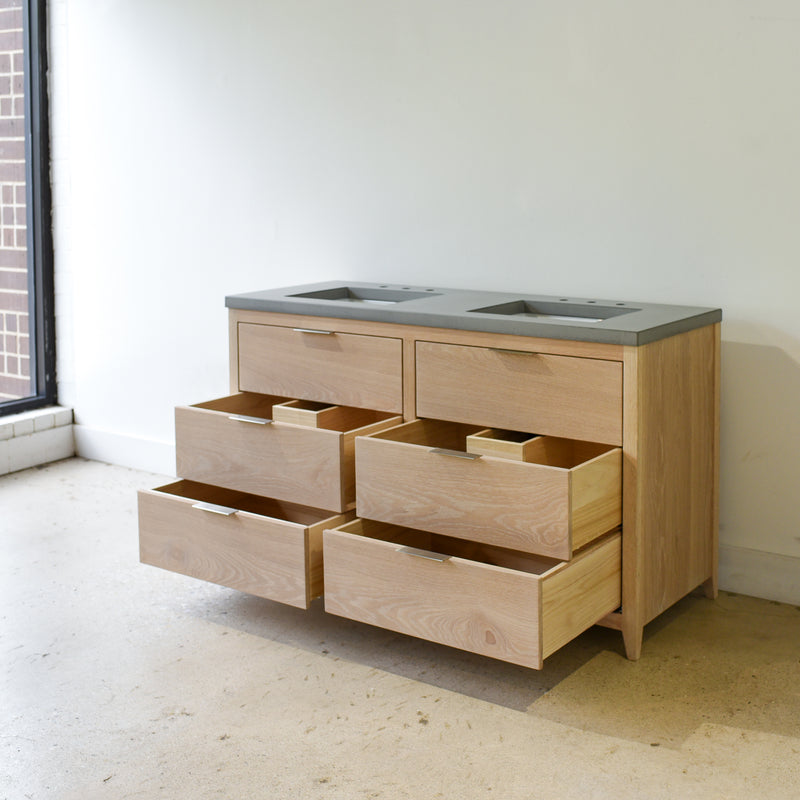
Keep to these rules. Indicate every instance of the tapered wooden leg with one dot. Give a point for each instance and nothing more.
(632, 637)
(710, 587)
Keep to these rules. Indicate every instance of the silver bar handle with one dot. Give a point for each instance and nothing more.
(253, 420)
(513, 352)
(442, 451)
(426, 554)
(312, 330)
(226, 511)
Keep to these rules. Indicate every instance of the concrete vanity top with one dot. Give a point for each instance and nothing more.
(580, 319)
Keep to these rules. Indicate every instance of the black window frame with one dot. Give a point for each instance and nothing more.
(41, 289)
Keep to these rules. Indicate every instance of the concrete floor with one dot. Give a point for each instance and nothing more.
(124, 681)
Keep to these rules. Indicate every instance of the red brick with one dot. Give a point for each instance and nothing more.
(10, 17)
(13, 258)
(15, 387)
(12, 150)
(13, 172)
(14, 301)
(11, 128)
(11, 40)
(13, 280)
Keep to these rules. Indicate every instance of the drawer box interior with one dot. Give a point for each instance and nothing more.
(304, 412)
(261, 407)
(234, 442)
(253, 544)
(500, 603)
(515, 445)
(419, 475)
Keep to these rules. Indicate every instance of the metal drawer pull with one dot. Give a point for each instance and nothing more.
(427, 554)
(441, 451)
(312, 330)
(513, 352)
(254, 420)
(215, 509)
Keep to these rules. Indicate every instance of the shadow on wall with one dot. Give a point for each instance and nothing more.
(760, 449)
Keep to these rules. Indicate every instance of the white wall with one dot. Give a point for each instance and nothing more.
(625, 150)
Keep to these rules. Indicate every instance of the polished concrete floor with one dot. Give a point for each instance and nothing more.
(124, 681)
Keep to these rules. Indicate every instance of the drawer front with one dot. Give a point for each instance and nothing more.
(266, 556)
(577, 398)
(327, 366)
(497, 611)
(405, 477)
(288, 462)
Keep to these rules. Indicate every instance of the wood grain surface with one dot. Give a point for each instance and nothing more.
(577, 398)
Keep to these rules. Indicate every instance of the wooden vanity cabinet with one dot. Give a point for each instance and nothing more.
(494, 492)
(645, 420)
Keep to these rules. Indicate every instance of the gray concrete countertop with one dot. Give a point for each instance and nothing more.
(579, 319)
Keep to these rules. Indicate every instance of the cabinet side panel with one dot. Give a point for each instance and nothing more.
(677, 453)
(233, 350)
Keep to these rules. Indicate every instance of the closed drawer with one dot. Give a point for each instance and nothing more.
(577, 398)
(253, 544)
(418, 475)
(498, 603)
(233, 442)
(322, 364)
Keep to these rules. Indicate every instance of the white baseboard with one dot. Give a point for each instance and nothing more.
(760, 574)
(35, 437)
(149, 455)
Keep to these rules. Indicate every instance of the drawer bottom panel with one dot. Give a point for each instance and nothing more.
(500, 603)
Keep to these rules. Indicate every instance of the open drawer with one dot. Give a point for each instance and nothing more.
(253, 544)
(499, 603)
(419, 475)
(234, 442)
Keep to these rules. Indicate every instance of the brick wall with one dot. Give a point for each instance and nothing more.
(14, 339)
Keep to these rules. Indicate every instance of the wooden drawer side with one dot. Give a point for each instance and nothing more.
(577, 595)
(596, 497)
